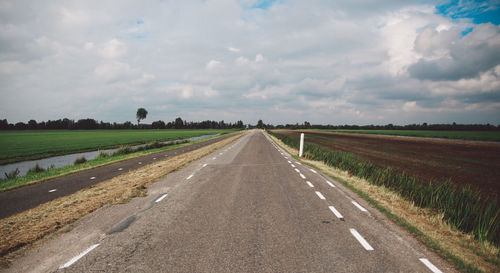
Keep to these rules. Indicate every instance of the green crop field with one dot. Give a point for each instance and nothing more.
(26, 145)
(465, 135)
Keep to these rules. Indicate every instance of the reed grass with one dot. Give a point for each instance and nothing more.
(464, 208)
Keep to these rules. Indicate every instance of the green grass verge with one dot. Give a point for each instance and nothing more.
(465, 135)
(30, 178)
(463, 208)
(16, 146)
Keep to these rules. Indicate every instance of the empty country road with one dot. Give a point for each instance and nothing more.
(248, 207)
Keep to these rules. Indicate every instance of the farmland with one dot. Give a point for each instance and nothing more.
(465, 163)
(464, 135)
(432, 173)
(18, 146)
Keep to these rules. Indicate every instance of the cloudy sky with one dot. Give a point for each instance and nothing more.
(286, 61)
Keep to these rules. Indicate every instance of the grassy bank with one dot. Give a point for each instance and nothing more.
(18, 146)
(462, 207)
(464, 135)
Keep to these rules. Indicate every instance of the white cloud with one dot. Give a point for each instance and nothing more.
(322, 61)
(113, 49)
(213, 65)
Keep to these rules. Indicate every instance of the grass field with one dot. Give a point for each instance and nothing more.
(18, 146)
(465, 135)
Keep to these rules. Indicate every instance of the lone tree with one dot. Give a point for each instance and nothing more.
(260, 124)
(141, 114)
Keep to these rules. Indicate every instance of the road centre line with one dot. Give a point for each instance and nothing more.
(53, 190)
(290, 162)
(161, 198)
(78, 257)
(293, 166)
(92, 178)
(189, 177)
(310, 184)
(336, 212)
(359, 206)
(429, 265)
(297, 170)
(301, 175)
(204, 165)
(120, 169)
(330, 183)
(361, 240)
(320, 195)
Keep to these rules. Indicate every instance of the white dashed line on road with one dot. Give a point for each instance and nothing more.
(53, 190)
(92, 178)
(361, 240)
(78, 257)
(297, 170)
(189, 177)
(336, 212)
(310, 184)
(293, 166)
(359, 206)
(204, 165)
(140, 163)
(161, 198)
(290, 162)
(320, 195)
(301, 175)
(330, 183)
(120, 169)
(214, 158)
(429, 265)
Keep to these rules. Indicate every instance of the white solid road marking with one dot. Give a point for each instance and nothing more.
(204, 165)
(320, 195)
(310, 184)
(313, 171)
(120, 169)
(92, 178)
(301, 175)
(432, 267)
(361, 240)
(189, 177)
(78, 257)
(293, 166)
(161, 198)
(53, 190)
(330, 183)
(359, 206)
(336, 212)
(297, 170)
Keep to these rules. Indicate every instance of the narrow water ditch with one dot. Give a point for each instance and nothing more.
(69, 159)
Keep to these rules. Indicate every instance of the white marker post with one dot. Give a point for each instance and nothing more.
(301, 144)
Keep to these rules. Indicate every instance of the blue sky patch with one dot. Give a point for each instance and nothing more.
(263, 4)
(479, 11)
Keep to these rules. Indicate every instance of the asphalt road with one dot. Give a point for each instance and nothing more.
(24, 198)
(248, 207)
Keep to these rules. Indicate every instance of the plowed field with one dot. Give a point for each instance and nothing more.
(464, 162)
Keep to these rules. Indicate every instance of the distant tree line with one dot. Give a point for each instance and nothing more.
(424, 126)
(92, 124)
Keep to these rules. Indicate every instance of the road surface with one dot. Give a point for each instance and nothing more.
(248, 207)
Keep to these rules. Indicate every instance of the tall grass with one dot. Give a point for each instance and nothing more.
(462, 207)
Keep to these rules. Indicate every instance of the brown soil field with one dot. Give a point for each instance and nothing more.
(463, 162)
